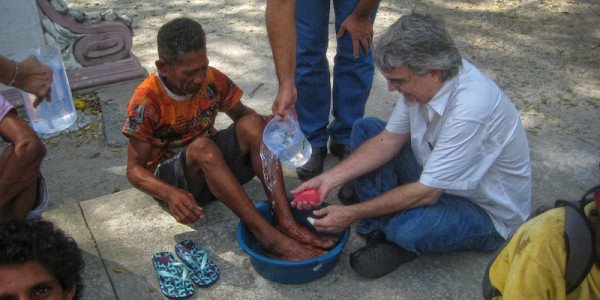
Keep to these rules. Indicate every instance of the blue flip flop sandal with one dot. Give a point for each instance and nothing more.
(202, 270)
(172, 276)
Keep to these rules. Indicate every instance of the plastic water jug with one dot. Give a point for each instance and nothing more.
(59, 113)
(285, 139)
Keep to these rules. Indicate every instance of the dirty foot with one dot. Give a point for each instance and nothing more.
(304, 235)
(291, 250)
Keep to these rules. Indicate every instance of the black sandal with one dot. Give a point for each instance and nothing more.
(347, 194)
(379, 257)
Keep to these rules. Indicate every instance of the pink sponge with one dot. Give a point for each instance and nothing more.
(310, 196)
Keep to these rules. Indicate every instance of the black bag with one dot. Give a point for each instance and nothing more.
(578, 240)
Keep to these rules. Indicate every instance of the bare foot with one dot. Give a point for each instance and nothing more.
(291, 250)
(304, 235)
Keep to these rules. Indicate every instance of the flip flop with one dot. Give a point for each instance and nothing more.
(172, 276)
(202, 270)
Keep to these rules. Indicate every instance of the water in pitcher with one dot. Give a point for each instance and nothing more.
(286, 141)
(59, 113)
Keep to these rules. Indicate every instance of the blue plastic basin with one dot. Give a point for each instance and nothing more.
(288, 272)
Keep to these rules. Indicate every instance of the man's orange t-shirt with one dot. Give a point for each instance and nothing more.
(169, 124)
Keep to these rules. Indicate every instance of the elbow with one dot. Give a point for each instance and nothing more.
(131, 174)
(431, 197)
(38, 149)
(136, 174)
(128, 173)
(429, 201)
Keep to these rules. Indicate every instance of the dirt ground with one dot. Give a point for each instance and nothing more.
(544, 53)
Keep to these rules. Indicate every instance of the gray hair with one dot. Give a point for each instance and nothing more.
(179, 37)
(419, 42)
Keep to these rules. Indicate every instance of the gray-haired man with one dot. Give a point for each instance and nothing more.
(449, 171)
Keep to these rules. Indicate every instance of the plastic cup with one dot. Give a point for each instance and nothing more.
(59, 113)
(285, 140)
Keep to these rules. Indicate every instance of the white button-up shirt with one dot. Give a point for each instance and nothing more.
(470, 141)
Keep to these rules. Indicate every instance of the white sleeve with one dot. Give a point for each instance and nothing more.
(399, 121)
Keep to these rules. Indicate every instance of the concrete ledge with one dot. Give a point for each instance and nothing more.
(105, 73)
(96, 283)
(114, 99)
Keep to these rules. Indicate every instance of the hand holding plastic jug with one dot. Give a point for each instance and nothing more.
(29, 75)
(285, 140)
(54, 115)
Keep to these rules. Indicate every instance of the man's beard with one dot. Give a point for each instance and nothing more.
(192, 90)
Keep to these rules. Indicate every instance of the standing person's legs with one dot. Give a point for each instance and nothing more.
(312, 80)
(352, 81)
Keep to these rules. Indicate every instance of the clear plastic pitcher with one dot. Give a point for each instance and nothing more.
(285, 139)
(59, 113)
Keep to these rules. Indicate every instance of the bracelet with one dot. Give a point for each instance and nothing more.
(16, 72)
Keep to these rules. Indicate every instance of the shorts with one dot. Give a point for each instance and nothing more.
(172, 170)
(42, 199)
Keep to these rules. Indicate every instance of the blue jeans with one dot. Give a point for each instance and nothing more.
(352, 78)
(452, 223)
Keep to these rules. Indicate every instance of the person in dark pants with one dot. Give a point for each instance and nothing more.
(310, 94)
(449, 171)
(353, 70)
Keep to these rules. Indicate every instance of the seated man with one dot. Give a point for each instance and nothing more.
(177, 156)
(37, 261)
(23, 188)
(534, 262)
(449, 171)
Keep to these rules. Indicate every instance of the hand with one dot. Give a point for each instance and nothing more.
(318, 183)
(35, 78)
(183, 207)
(360, 30)
(335, 218)
(305, 205)
(310, 196)
(285, 100)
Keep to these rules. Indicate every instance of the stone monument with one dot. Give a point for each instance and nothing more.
(96, 47)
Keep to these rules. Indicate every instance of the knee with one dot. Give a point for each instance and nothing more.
(250, 127)
(32, 147)
(409, 231)
(413, 242)
(363, 129)
(202, 151)
(368, 124)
